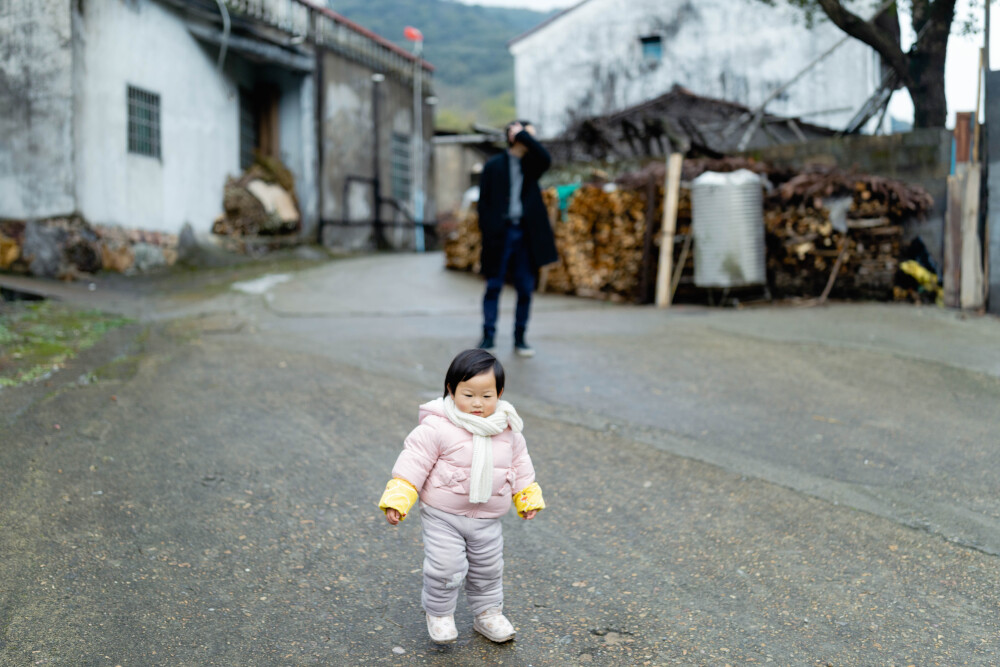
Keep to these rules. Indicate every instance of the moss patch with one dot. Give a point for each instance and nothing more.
(38, 338)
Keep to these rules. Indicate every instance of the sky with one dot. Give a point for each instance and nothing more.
(960, 70)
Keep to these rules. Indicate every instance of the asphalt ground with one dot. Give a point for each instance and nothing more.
(209, 500)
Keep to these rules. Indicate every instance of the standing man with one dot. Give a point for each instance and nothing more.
(517, 234)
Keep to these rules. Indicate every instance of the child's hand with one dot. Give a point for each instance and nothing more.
(530, 514)
(392, 516)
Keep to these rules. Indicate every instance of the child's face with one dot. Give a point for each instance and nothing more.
(477, 395)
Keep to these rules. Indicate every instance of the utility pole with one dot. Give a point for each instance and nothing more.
(417, 38)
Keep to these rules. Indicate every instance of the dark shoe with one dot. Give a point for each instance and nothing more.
(486, 343)
(523, 349)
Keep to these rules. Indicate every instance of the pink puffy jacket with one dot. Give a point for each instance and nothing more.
(437, 460)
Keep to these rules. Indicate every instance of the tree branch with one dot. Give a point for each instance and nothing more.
(862, 30)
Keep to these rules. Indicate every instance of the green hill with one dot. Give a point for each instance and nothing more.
(467, 44)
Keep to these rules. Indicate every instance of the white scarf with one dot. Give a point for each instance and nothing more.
(483, 429)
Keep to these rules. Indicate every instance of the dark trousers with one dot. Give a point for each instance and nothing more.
(515, 256)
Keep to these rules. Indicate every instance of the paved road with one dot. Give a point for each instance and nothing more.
(773, 485)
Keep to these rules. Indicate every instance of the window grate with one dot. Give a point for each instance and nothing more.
(401, 169)
(143, 122)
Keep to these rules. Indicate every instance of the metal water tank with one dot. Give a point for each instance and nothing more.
(728, 227)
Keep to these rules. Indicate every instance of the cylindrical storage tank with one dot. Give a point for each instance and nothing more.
(728, 227)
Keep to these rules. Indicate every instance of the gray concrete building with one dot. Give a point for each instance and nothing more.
(134, 112)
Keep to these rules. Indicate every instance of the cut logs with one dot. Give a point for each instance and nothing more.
(608, 236)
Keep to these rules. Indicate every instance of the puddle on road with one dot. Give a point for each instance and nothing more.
(262, 284)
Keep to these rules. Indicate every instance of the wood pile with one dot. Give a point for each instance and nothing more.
(804, 244)
(601, 244)
(608, 236)
(261, 202)
(462, 241)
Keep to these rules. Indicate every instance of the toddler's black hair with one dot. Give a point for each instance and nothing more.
(468, 365)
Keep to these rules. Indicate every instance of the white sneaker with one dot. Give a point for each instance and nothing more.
(493, 625)
(442, 629)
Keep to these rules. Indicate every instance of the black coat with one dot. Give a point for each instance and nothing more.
(494, 204)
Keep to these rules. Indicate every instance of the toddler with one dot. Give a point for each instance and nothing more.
(465, 462)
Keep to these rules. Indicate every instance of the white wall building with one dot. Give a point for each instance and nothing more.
(133, 115)
(601, 56)
(119, 111)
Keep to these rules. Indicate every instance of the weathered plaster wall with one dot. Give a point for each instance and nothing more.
(453, 165)
(141, 43)
(589, 61)
(36, 109)
(348, 144)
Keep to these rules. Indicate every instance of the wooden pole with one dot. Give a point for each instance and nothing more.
(679, 270)
(971, 287)
(673, 190)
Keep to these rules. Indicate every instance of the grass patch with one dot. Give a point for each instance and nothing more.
(39, 338)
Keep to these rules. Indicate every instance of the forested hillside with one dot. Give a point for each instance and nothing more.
(466, 43)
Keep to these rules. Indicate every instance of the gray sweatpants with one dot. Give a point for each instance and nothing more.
(457, 549)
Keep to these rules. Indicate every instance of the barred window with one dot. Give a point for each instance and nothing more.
(143, 122)
(401, 176)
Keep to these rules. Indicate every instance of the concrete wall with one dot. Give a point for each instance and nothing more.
(36, 109)
(922, 157)
(589, 61)
(348, 144)
(453, 165)
(142, 43)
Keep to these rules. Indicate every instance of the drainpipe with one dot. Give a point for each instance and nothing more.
(318, 91)
(225, 34)
(380, 242)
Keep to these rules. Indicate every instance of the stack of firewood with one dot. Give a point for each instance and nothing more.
(462, 241)
(804, 243)
(608, 237)
(600, 243)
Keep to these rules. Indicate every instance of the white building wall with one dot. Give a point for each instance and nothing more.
(36, 109)
(141, 43)
(303, 159)
(589, 61)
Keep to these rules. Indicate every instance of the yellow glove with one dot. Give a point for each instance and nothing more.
(530, 498)
(400, 495)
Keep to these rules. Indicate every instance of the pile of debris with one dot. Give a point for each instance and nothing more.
(261, 202)
(69, 248)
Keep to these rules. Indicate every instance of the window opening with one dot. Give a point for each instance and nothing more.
(652, 48)
(143, 122)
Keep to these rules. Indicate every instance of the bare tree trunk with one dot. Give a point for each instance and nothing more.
(921, 69)
(930, 107)
(932, 23)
